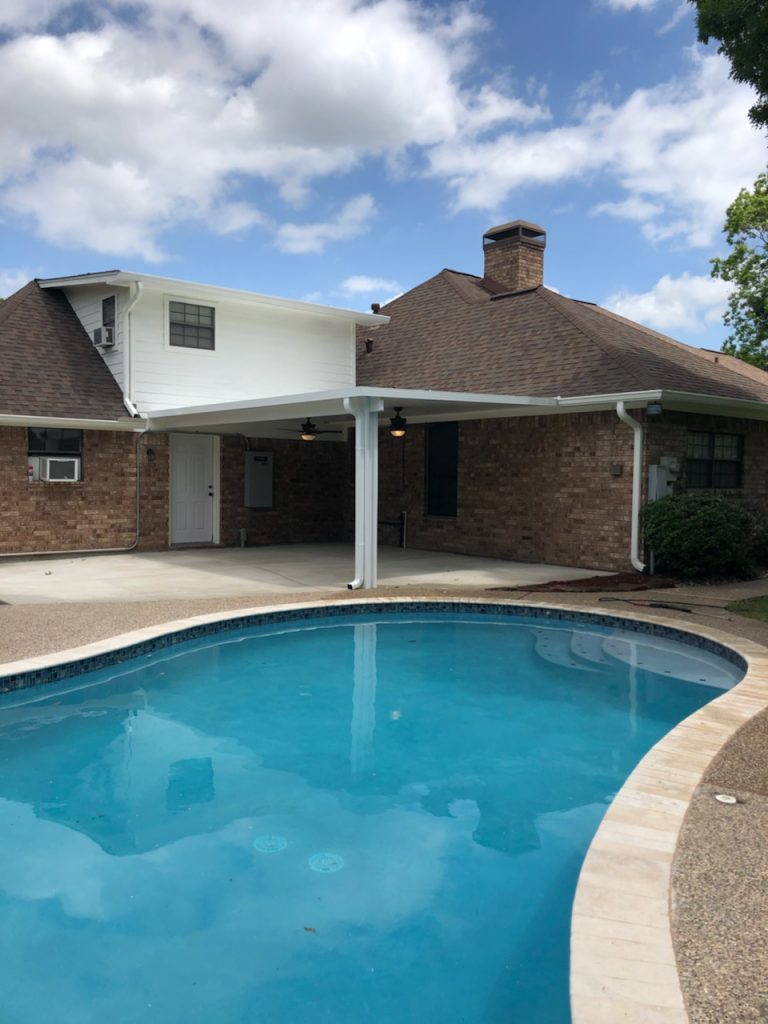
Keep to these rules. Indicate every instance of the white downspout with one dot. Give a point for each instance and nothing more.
(137, 290)
(637, 483)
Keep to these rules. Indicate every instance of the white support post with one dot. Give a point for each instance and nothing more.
(365, 411)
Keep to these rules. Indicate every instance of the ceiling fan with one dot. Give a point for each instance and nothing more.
(308, 430)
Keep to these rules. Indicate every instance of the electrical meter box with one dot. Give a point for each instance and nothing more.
(258, 480)
(663, 477)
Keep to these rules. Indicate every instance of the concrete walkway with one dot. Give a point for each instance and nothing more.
(239, 572)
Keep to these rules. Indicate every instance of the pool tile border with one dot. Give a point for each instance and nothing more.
(62, 665)
(623, 965)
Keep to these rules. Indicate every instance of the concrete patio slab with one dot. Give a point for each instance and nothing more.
(234, 572)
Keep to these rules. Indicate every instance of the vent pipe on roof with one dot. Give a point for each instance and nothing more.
(514, 255)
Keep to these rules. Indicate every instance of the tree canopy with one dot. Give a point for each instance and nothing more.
(746, 266)
(741, 28)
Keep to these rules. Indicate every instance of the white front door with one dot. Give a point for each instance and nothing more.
(192, 489)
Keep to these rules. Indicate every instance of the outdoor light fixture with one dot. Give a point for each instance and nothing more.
(653, 409)
(308, 431)
(397, 423)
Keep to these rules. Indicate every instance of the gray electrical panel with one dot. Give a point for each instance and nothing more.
(258, 480)
(663, 477)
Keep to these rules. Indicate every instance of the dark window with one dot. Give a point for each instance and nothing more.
(191, 326)
(713, 461)
(442, 468)
(108, 312)
(54, 441)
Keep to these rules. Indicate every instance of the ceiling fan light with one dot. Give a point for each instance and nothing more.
(308, 431)
(397, 423)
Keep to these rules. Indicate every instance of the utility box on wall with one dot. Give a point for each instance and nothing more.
(258, 480)
(663, 477)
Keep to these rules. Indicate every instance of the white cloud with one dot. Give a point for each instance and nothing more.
(629, 5)
(680, 151)
(690, 302)
(11, 279)
(633, 208)
(360, 284)
(156, 116)
(353, 220)
(231, 217)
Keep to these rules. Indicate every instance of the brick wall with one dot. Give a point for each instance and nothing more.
(96, 512)
(309, 491)
(531, 489)
(154, 455)
(668, 435)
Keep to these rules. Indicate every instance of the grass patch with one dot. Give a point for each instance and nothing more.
(752, 607)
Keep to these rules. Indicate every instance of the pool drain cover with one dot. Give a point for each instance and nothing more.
(325, 863)
(270, 844)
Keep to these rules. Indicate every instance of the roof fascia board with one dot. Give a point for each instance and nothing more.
(338, 394)
(742, 408)
(476, 397)
(312, 403)
(74, 423)
(608, 401)
(108, 277)
(152, 282)
(682, 401)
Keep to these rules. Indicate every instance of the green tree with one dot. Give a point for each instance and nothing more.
(746, 267)
(741, 28)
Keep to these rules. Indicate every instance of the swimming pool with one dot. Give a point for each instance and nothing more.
(378, 817)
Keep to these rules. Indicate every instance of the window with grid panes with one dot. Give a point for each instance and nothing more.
(713, 461)
(191, 326)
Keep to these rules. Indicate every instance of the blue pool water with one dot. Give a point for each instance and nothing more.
(361, 820)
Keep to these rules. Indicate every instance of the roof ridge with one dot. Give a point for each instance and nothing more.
(679, 345)
(463, 273)
(606, 345)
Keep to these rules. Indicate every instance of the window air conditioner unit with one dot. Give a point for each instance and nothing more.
(59, 468)
(104, 337)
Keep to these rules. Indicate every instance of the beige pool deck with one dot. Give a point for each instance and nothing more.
(670, 920)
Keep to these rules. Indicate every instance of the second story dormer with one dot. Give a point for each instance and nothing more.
(171, 344)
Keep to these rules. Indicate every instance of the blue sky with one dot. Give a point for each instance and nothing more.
(343, 151)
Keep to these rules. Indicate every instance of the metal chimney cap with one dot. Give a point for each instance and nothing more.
(522, 229)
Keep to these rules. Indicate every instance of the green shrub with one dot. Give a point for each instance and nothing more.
(704, 536)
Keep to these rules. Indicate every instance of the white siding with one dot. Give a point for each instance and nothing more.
(260, 352)
(86, 302)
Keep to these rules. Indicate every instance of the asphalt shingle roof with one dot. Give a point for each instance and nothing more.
(455, 332)
(48, 366)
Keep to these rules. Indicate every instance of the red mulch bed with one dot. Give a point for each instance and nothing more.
(597, 584)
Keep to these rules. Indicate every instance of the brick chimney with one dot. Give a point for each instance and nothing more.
(514, 255)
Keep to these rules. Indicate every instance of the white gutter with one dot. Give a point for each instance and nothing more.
(137, 290)
(637, 482)
(15, 420)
